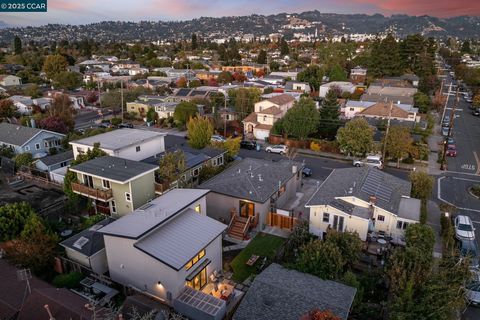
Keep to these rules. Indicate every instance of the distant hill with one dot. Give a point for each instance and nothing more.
(4, 25)
(211, 28)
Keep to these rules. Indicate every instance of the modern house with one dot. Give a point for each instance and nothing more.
(280, 293)
(116, 186)
(9, 80)
(132, 144)
(23, 139)
(363, 200)
(166, 245)
(297, 86)
(259, 123)
(252, 194)
(342, 86)
(88, 249)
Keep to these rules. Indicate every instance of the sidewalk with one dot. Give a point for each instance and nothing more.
(434, 142)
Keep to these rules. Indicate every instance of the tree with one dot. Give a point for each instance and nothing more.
(337, 74)
(13, 217)
(67, 80)
(232, 146)
(17, 45)
(200, 131)
(54, 64)
(313, 74)
(171, 166)
(284, 50)
(329, 115)
(422, 184)
(53, 123)
(322, 259)
(194, 41)
(262, 57)
(385, 58)
(398, 142)
(184, 111)
(465, 47)
(356, 137)
(244, 99)
(476, 101)
(302, 119)
(275, 66)
(7, 108)
(181, 82)
(62, 109)
(33, 91)
(239, 77)
(422, 101)
(92, 97)
(348, 243)
(320, 315)
(23, 159)
(224, 77)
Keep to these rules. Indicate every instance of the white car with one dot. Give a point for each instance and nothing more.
(464, 229)
(217, 138)
(371, 161)
(472, 289)
(278, 148)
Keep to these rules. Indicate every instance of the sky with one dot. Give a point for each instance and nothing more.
(88, 11)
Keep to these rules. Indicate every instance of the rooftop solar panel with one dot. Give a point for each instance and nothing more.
(201, 301)
(373, 185)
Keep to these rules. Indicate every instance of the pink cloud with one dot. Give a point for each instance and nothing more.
(439, 8)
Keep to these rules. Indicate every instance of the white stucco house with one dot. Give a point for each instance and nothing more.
(259, 123)
(166, 245)
(363, 200)
(343, 86)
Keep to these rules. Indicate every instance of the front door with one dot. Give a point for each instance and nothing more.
(199, 280)
(247, 209)
(338, 223)
(88, 181)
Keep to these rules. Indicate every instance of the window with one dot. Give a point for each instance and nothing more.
(326, 217)
(37, 146)
(195, 172)
(27, 148)
(198, 208)
(106, 184)
(195, 259)
(380, 218)
(45, 144)
(402, 225)
(198, 281)
(128, 197)
(79, 150)
(114, 206)
(281, 190)
(137, 149)
(352, 109)
(63, 164)
(264, 118)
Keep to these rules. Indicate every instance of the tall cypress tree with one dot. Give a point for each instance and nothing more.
(17, 45)
(329, 115)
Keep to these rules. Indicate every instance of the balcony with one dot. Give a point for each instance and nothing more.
(161, 187)
(104, 195)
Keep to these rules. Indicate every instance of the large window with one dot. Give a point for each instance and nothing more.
(128, 197)
(199, 280)
(380, 218)
(326, 217)
(106, 184)
(195, 259)
(402, 225)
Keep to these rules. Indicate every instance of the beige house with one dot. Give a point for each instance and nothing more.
(9, 80)
(116, 186)
(258, 124)
(363, 200)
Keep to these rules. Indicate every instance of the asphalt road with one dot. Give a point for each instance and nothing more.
(86, 119)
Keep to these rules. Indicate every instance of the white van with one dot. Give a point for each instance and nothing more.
(372, 161)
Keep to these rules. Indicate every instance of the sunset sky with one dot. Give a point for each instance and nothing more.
(87, 11)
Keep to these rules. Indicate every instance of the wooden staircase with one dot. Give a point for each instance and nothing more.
(238, 227)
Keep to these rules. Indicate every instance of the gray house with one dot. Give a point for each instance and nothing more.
(56, 161)
(26, 139)
(254, 190)
(279, 293)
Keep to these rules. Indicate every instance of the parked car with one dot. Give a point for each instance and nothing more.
(306, 172)
(372, 161)
(278, 148)
(472, 288)
(450, 140)
(469, 248)
(469, 100)
(451, 151)
(125, 125)
(445, 132)
(248, 144)
(476, 112)
(464, 229)
(217, 138)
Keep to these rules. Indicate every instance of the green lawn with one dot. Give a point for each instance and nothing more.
(264, 245)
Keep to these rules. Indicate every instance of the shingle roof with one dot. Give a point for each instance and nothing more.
(263, 127)
(193, 157)
(362, 183)
(383, 110)
(281, 99)
(120, 138)
(114, 168)
(95, 239)
(57, 158)
(252, 117)
(252, 179)
(279, 293)
(271, 110)
(18, 135)
(153, 214)
(374, 97)
(178, 241)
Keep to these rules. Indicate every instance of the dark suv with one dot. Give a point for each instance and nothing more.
(248, 144)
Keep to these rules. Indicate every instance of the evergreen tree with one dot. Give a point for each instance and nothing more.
(337, 74)
(329, 115)
(301, 120)
(284, 49)
(194, 41)
(262, 57)
(17, 45)
(385, 58)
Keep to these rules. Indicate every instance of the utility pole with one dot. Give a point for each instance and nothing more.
(386, 131)
(446, 102)
(450, 126)
(121, 98)
(225, 119)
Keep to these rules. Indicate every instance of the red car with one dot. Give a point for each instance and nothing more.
(451, 151)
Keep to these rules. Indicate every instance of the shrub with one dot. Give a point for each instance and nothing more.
(314, 146)
(68, 280)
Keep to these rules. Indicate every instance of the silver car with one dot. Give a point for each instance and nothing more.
(371, 161)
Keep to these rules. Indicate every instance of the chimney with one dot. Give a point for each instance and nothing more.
(49, 312)
(373, 200)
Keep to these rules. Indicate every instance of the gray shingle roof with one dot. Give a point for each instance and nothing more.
(119, 139)
(57, 158)
(193, 157)
(252, 179)
(362, 183)
(95, 239)
(114, 168)
(279, 293)
(153, 214)
(18, 135)
(178, 241)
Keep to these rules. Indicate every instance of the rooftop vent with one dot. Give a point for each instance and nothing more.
(260, 178)
(80, 242)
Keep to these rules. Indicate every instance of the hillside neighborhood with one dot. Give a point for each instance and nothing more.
(289, 175)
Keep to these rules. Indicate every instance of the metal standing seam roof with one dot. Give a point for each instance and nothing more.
(120, 138)
(114, 168)
(153, 214)
(180, 239)
(18, 135)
